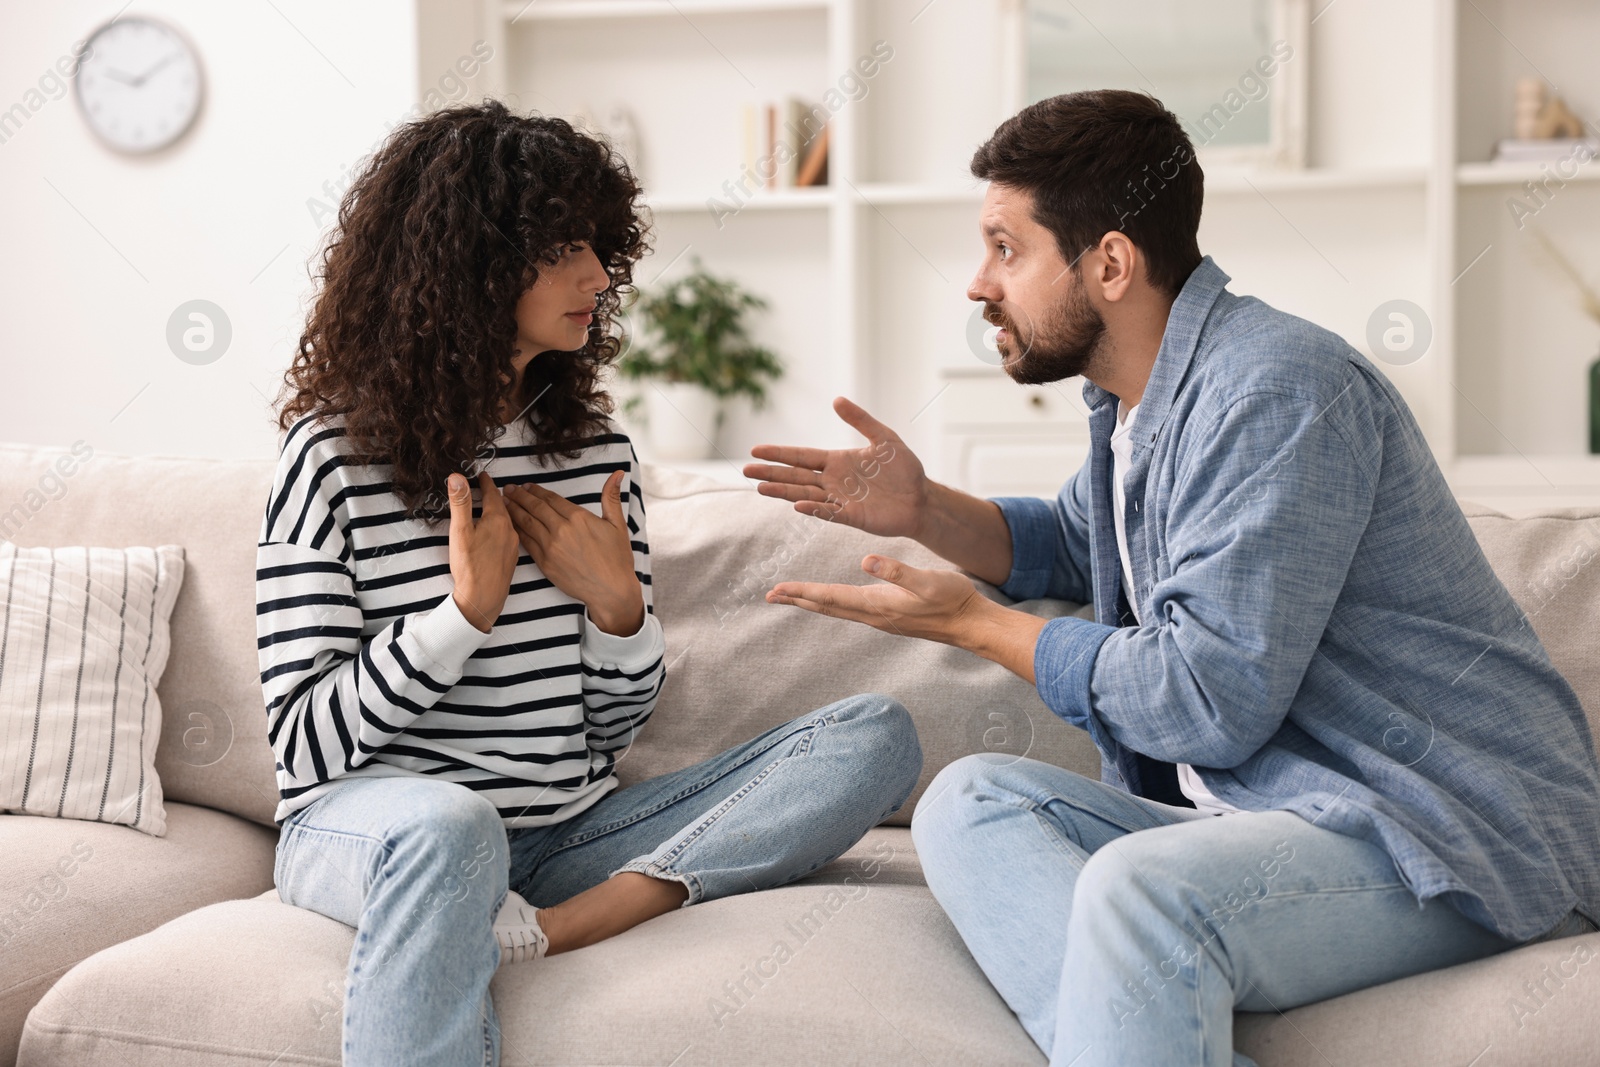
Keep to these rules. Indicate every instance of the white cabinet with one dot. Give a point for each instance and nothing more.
(998, 438)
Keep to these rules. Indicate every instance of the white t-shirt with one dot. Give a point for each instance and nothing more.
(1121, 457)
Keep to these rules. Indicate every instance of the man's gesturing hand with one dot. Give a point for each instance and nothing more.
(880, 488)
(935, 605)
(483, 553)
(589, 557)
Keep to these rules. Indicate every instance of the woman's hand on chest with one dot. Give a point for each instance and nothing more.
(589, 557)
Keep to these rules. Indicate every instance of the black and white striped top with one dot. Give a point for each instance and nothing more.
(368, 667)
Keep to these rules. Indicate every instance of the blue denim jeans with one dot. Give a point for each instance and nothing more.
(1123, 931)
(420, 867)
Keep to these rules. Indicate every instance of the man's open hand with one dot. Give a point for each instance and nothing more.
(935, 605)
(880, 488)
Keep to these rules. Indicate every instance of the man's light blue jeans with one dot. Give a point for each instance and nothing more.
(420, 867)
(1123, 931)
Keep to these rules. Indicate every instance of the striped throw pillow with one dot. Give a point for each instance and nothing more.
(83, 642)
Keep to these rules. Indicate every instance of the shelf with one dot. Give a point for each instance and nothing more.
(886, 194)
(1540, 473)
(764, 200)
(1221, 181)
(909, 193)
(1314, 179)
(982, 371)
(1517, 173)
(821, 196)
(551, 10)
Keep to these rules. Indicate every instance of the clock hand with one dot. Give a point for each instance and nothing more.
(141, 79)
(121, 77)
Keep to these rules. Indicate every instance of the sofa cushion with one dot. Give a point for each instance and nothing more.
(84, 637)
(1535, 1006)
(213, 747)
(711, 547)
(1550, 561)
(880, 977)
(737, 665)
(70, 889)
(716, 549)
(875, 974)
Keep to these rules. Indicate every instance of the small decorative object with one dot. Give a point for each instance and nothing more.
(1529, 102)
(696, 354)
(1545, 130)
(619, 128)
(139, 84)
(1591, 307)
(623, 130)
(1553, 118)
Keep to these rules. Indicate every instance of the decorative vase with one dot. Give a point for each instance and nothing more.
(683, 420)
(1594, 408)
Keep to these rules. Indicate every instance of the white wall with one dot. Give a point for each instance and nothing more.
(296, 92)
(103, 247)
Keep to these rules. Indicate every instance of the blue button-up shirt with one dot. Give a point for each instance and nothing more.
(1322, 633)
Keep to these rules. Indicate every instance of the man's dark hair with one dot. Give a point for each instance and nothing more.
(1100, 161)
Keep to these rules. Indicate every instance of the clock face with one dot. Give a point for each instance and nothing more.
(139, 84)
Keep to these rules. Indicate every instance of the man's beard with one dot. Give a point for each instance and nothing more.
(1063, 346)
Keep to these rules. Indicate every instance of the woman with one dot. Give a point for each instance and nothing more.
(447, 700)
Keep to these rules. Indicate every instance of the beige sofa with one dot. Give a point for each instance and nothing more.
(176, 950)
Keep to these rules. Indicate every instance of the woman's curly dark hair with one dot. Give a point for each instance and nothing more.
(413, 330)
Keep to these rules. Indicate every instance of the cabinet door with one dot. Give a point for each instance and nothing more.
(996, 402)
(1008, 466)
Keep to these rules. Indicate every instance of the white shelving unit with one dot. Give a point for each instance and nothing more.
(684, 68)
(867, 276)
(1520, 346)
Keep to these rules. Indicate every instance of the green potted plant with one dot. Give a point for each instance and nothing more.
(693, 353)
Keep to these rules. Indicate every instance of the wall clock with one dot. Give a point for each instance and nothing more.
(139, 85)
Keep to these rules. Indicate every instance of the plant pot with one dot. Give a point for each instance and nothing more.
(683, 421)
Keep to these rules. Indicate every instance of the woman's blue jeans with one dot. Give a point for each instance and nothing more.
(1123, 931)
(420, 867)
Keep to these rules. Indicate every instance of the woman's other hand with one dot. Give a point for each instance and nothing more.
(589, 557)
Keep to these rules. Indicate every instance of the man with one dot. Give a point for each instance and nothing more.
(1334, 753)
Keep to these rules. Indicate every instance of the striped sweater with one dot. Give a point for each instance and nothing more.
(369, 669)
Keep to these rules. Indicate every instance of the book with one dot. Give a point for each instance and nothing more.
(800, 127)
(785, 143)
(751, 150)
(814, 165)
(772, 167)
